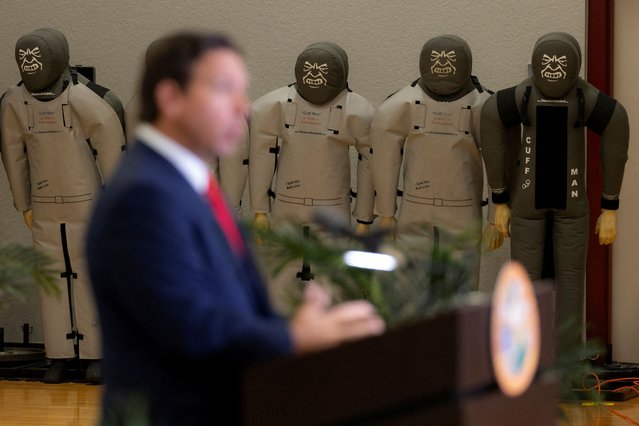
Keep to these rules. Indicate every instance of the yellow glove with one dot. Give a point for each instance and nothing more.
(502, 219)
(361, 229)
(389, 224)
(492, 239)
(28, 218)
(607, 226)
(261, 223)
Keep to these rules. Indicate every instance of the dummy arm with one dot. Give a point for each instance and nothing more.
(14, 154)
(234, 173)
(496, 133)
(613, 155)
(265, 124)
(359, 127)
(389, 130)
(492, 238)
(101, 127)
(494, 145)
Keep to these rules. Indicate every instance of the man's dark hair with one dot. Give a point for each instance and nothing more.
(172, 57)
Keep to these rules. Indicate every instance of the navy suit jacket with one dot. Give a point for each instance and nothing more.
(181, 314)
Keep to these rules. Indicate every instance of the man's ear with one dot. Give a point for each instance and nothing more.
(168, 98)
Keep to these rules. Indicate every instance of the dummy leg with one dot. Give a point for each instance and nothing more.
(55, 309)
(86, 319)
(527, 243)
(571, 245)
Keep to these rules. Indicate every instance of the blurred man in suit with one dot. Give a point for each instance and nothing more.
(182, 306)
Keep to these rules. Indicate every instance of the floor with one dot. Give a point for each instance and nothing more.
(604, 414)
(38, 404)
(30, 403)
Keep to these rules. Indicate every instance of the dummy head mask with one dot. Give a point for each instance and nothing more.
(321, 72)
(445, 65)
(556, 61)
(43, 57)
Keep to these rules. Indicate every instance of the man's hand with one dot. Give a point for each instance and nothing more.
(502, 219)
(606, 226)
(316, 326)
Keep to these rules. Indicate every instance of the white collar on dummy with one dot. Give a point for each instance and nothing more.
(192, 167)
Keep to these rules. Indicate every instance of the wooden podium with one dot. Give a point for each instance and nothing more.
(436, 371)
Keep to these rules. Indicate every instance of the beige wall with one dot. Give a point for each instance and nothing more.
(625, 281)
(383, 40)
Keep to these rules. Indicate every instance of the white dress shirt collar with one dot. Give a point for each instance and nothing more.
(192, 167)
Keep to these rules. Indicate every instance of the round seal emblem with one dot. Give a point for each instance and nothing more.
(515, 330)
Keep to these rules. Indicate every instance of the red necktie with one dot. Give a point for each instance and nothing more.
(225, 218)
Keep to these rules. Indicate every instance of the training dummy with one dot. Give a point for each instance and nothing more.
(299, 159)
(555, 106)
(432, 126)
(60, 141)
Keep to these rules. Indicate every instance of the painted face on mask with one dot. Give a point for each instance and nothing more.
(28, 59)
(554, 68)
(445, 64)
(42, 56)
(321, 72)
(315, 76)
(556, 61)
